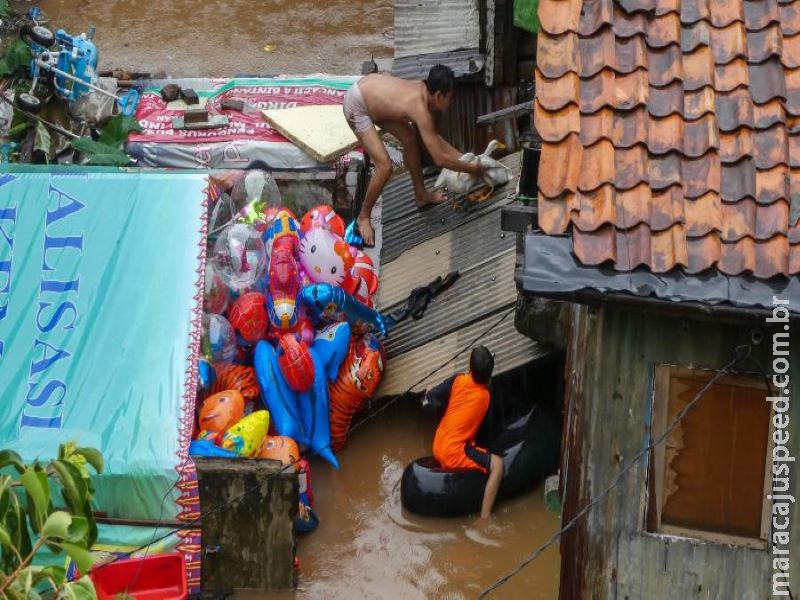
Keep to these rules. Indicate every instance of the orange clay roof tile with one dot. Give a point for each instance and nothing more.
(671, 132)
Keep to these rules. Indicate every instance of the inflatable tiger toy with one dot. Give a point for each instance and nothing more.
(236, 377)
(357, 381)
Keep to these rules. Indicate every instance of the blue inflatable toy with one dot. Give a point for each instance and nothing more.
(331, 345)
(325, 303)
(280, 399)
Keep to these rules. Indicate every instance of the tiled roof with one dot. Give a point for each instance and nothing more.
(671, 132)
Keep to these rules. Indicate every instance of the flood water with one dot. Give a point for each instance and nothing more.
(368, 546)
(222, 38)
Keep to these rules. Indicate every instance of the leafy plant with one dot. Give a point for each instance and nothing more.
(107, 150)
(17, 55)
(29, 522)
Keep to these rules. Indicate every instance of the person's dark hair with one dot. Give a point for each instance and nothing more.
(440, 79)
(481, 364)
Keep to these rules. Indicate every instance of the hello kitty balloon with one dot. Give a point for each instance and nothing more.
(325, 257)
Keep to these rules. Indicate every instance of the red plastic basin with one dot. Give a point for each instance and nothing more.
(155, 577)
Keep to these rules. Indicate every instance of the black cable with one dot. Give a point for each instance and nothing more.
(249, 491)
(684, 411)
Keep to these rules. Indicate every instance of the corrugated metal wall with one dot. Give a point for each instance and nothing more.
(428, 26)
(607, 555)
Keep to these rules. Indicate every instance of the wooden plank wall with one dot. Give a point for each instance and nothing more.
(607, 555)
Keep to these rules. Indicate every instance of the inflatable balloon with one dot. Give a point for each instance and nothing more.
(279, 398)
(283, 233)
(236, 377)
(219, 341)
(358, 379)
(320, 429)
(280, 447)
(322, 216)
(325, 256)
(327, 303)
(215, 293)
(248, 315)
(296, 364)
(363, 281)
(246, 437)
(207, 376)
(239, 256)
(220, 411)
(283, 289)
(331, 345)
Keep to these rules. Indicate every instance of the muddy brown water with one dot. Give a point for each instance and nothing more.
(222, 38)
(368, 546)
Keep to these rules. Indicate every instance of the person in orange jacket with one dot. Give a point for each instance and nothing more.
(467, 398)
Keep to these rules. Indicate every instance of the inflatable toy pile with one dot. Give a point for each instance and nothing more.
(291, 341)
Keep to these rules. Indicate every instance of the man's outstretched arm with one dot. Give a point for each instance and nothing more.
(442, 153)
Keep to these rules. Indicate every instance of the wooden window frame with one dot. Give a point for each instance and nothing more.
(654, 503)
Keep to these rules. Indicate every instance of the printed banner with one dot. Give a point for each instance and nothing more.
(100, 274)
(258, 94)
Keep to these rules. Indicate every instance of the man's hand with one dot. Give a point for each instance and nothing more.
(478, 169)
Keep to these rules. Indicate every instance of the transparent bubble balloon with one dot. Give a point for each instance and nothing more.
(239, 256)
(216, 294)
(219, 339)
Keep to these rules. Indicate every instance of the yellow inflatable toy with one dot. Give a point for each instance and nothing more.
(247, 436)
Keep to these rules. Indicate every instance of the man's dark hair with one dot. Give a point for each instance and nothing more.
(440, 79)
(481, 364)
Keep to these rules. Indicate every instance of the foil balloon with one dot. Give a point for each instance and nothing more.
(325, 257)
(219, 340)
(239, 256)
(220, 411)
(357, 381)
(248, 316)
(246, 437)
(236, 377)
(281, 448)
(296, 364)
(279, 398)
(283, 233)
(207, 375)
(322, 216)
(283, 289)
(315, 413)
(363, 281)
(215, 293)
(331, 345)
(327, 303)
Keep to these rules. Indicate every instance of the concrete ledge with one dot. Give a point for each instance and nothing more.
(248, 535)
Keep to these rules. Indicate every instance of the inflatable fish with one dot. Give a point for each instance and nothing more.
(328, 303)
(246, 437)
(219, 412)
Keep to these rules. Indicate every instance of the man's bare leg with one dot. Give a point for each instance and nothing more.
(492, 485)
(383, 171)
(411, 157)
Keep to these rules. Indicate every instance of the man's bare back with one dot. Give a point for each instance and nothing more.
(404, 109)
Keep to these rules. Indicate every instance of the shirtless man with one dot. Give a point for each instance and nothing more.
(397, 106)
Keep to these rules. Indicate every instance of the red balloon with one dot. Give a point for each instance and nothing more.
(248, 315)
(363, 280)
(296, 364)
(325, 217)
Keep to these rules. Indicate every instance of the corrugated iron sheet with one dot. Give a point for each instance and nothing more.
(464, 63)
(419, 247)
(672, 133)
(428, 26)
(405, 228)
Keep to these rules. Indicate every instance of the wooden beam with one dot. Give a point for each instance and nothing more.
(510, 112)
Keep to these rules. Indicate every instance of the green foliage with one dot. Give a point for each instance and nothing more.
(107, 151)
(17, 56)
(5, 9)
(29, 521)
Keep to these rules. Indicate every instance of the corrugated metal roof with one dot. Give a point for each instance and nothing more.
(404, 227)
(464, 63)
(427, 26)
(418, 247)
